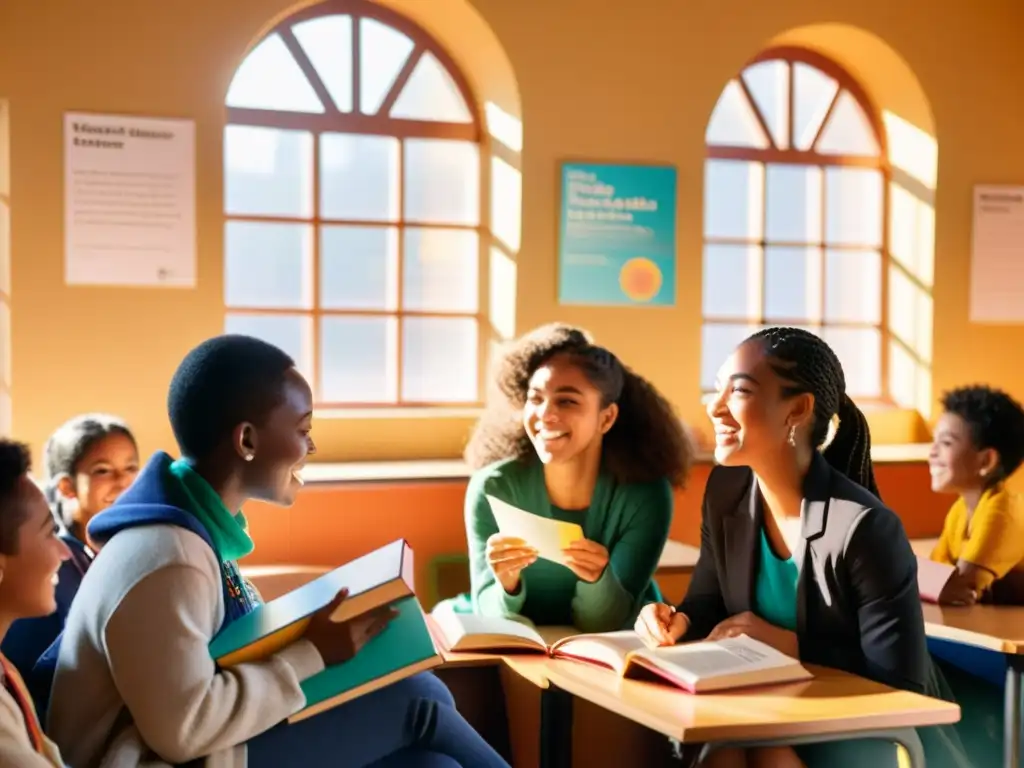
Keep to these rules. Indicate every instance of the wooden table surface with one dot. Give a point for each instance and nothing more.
(833, 702)
(997, 628)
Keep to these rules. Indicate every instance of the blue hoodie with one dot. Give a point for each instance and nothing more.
(155, 498)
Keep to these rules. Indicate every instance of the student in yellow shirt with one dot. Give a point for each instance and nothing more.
(979, 443)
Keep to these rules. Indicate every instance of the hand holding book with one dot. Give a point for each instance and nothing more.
(339, 641)
(659, 624)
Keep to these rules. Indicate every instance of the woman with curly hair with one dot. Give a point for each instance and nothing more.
(575, 436)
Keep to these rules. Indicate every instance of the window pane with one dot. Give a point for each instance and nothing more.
(327, 41)
(860, 352)
(910, 313)
(733, 122)
(441, 270)
(383, 51)
(733, 199)
(902, 376)
(268, 265)
(358, 177)
(717, 343)
(431, 94)
(291, 333)
(359, 267)
(848, 131)
(732, 281)
(768, 82)
(506, 203)
(439, 360)
(792, 284)
(793, 204)
(813, 92)
(442, 181)
(853, 212)
(853, 286)
(269, 78)
(502, 293)
(358, 357)
(268, 172)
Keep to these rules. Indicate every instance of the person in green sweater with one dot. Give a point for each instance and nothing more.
(576, 436)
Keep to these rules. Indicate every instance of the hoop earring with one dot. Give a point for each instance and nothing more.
(792, 437)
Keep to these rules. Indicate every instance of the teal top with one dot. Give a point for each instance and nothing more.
(630, 520)
(227, 529)
(775, 594)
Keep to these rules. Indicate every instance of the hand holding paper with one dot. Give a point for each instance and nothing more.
(548, 537)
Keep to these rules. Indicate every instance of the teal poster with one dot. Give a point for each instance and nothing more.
(617, 243)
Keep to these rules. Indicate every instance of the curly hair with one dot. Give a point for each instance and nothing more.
(15, 462)
(807, 364)
(995, 420)
(647, 440)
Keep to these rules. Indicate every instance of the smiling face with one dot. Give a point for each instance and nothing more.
(751, 419)
(29, 575)
(955, 463)
(281, 444)
(104, 472)
(564, 415)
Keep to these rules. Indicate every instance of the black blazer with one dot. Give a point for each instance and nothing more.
(858, 607)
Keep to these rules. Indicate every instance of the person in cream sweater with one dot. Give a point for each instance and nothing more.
(31, 553)
(135, 683)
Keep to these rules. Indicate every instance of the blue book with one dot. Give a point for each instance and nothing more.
(403, 649)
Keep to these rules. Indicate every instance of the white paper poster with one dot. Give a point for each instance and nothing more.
(129, 201)
(997, 255)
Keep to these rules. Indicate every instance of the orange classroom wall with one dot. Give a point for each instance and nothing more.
(331, 524)
(596, 79)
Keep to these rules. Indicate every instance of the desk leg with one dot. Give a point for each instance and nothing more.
(1012, 714)
(905, 737)
(555, 728)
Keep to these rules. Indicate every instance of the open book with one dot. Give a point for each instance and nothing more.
(379, 578)
(696, 667)
(403, 649)
(932, 578)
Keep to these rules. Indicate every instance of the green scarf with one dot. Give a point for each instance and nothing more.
(226, 529)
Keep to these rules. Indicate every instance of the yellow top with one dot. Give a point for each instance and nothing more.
(993, 538)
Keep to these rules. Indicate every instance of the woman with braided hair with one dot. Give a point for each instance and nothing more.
(573, 435)
(797, 550)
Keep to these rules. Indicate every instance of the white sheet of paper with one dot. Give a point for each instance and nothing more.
(129, 201)
(549, 537)
(997, 255)
(932, 577)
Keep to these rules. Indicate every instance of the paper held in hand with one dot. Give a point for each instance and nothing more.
(549, 537)
(932, 578)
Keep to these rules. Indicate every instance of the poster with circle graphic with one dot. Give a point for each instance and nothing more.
(617, 239)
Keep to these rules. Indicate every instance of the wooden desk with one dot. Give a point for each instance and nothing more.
(677, 558)
(994, 628)
(833, 706)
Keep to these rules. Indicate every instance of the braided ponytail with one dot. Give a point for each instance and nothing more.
(806, 364)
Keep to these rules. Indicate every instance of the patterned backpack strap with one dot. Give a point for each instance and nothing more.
(16, 687)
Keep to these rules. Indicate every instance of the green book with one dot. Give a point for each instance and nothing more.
(402, 650)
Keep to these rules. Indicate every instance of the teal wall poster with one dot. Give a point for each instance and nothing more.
(617, 237)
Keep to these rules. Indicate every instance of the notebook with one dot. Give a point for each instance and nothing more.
(403, 649)
(373, 580)
(549, 537)
(932, 578)
(695, 667)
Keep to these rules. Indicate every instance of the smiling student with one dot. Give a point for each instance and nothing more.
(90, 460)
(135, 680)
(30, 555)
(979, 443)
(796, 549)
(576, 436)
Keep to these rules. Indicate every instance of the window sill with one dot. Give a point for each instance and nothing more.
(397, 413)
(455, 469)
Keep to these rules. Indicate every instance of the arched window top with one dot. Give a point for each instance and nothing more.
(353, 60)
(790, 105)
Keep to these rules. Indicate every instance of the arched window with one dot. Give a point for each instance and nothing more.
(795, 213)
(353, 208)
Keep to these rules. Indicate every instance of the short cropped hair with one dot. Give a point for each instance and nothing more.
(996, 421)
(221, 383)
(15, 461)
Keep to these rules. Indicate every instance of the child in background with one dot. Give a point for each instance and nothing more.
(31, 552)
(90, 460)
(979, 443)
